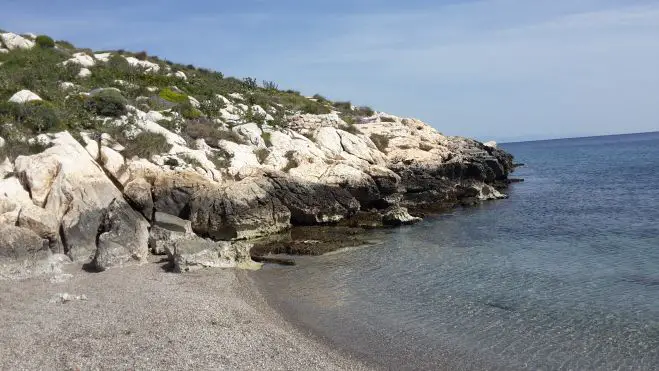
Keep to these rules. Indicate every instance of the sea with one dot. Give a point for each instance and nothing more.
(562, 275)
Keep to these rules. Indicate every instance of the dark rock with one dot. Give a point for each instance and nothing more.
(311, 204)
(242, 210)
(123, 237)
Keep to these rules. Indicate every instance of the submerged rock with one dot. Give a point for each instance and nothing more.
(396, 215)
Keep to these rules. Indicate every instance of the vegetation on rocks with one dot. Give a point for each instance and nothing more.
(146, 145)
(203, 128)
(380, 141)
(108, 102)
(261, 154)
(44, 41)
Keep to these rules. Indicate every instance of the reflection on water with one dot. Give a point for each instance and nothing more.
(563, 275)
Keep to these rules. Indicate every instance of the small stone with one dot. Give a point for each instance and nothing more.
(65, 297)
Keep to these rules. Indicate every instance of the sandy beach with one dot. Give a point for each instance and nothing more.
(142, 317)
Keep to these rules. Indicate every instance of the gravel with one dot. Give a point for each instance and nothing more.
(142, 317)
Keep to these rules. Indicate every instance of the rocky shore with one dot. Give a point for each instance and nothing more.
(140, 168)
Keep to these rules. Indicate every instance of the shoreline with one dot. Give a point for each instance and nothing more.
(140, 317)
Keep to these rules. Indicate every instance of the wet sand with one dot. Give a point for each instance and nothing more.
(142, 317)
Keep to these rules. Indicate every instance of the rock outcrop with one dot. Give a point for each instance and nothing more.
(215, 169)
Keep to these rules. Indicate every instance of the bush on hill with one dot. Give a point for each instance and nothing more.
(33, 117)
(44, 41)
(108, 102)
(146, 145)
(380, 141)
(171, 96)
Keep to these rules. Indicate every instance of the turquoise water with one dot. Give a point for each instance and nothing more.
(563, 275)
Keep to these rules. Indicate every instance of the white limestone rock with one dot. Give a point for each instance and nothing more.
(114, 163)
(84, 72)
(13, 41)
(103, 57)
(70, 185)
(24, 96)
(181, 75)
(145, 65)
(81, 59)
(65, 85)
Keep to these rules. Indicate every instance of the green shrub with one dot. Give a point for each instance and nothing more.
(13, 149)
(365, 111)
(387, 119)
(255, 117)
(189, 112)
(44, 41)
(33, 117)
(425, 146)
(292, 162)
(221, 159)
(212, 107)
(261, 154)
(270, 85)
(108, 102)
(65, 44)
(320, 98)
(380, 141)
(278, 118)
(146, 145)
(207, 130)
(315, 108)
(267, 139)
(250, 83)
(171, 96)
(343, 106)
(191, 160)
(170, 125)
(141, 55)
(352, 129)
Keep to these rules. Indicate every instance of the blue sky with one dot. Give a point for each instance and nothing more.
(491, 69)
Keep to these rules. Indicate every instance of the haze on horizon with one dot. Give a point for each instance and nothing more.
(492, 69)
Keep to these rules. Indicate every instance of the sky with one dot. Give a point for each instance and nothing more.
(505, 70)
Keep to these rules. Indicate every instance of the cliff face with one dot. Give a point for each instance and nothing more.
(115, 160)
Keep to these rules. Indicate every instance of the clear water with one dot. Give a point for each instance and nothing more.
(563, 275)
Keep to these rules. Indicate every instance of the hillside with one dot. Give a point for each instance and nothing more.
(108, 156)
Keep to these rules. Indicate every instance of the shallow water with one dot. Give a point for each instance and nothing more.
(563, 275)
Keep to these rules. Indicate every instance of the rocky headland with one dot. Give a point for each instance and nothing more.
(109, 157)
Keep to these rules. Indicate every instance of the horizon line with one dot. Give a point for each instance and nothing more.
(580, 137)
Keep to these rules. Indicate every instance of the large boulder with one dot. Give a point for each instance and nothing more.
(21, 243)
(24, 96)
(188, 255)
(167, 229)
(241, 210)
(43, 223)
(24, 254)
(13, 41)
(70, 185)
(123, 238)
(138, 193)
(313, 203)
